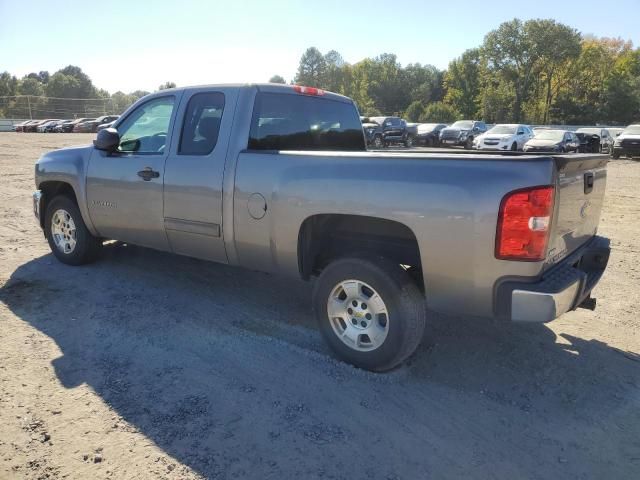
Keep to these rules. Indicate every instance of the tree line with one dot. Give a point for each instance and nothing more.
(538, 71)
(61, 94)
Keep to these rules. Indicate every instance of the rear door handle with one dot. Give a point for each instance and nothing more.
(148, 173)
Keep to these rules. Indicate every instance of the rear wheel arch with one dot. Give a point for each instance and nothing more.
(323, 238)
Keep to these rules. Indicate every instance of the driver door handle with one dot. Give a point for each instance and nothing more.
(148, 173)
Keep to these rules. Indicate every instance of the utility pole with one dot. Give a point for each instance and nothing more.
(29, 103)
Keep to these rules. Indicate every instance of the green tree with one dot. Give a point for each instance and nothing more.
(31, 86)
(64, 86)
(8, 84)
(311, 70)
(277, 79)
(462, 83)
(334, 74)
(510, 53)
(555, 45)
(415, 111)
(167, 85)
(440, 112)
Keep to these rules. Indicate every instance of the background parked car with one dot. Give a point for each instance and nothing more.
(627, 143)
(105, 125)
(33, 126)
(372, 133)
(462, 133)
(19, 127)
(394, 130)
(595, 140)
(85, 126)
(42, 128)
(505, 136)
(615, 132)
(68, 126)
(92, 125)
(428, 134)
(553, 141)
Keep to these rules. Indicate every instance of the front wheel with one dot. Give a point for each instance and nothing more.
(468, 145)
(408, 143)
(68, 236)
(377, 142)
(370, 312)
(615, 155)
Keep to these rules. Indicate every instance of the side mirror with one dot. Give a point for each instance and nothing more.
(108, 140)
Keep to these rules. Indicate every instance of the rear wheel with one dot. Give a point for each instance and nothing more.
(68, 236)
(377, 142)
(370, 312)
(408, 142)
(615, 155)
(514, 147)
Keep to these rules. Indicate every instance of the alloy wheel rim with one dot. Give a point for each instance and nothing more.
(63, 231)
(358, 315)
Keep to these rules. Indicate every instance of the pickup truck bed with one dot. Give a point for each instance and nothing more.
(509, 236)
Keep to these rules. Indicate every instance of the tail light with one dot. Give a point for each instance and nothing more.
(523, 224)
(308, 90)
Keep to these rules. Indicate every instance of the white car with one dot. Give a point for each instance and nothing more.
(505, 136)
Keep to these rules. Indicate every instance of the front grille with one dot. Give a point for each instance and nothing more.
(450, 135)
(630, 143)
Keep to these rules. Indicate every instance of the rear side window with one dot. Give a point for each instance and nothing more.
(299, 122)
(201, 124)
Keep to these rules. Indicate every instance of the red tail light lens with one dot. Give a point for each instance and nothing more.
(523, 224)
(308, 90)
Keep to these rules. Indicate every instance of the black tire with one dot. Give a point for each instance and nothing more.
(468, 145)
(408, 143)
(402, 297)
(615, 155)
(514, 147)
(87, 246)
(377, 142)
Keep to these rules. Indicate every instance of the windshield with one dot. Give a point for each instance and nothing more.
(502, 129)
(632, 130)
(555, 135)
(590, 131)
(464, 124)
(427, 127)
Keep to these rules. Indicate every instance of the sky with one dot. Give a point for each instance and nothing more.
(138, 45)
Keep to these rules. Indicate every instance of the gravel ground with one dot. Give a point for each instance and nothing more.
(148, 365)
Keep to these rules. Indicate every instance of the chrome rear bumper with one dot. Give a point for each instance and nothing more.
(563, 288)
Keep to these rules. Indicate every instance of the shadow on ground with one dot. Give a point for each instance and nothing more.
(224, 370)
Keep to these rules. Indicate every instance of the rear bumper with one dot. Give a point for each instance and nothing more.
(563, 288)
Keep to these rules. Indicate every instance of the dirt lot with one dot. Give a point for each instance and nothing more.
(147, 365)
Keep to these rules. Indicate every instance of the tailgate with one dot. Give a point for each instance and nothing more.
(581, 184)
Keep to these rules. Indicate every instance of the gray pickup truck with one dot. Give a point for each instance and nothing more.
(277, 178)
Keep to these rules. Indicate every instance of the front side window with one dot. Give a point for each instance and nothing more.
(146, 129)
(201, 124)
(300, 122)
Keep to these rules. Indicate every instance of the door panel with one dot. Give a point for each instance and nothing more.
(124, 188)
(194, 174)
(121, 204)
